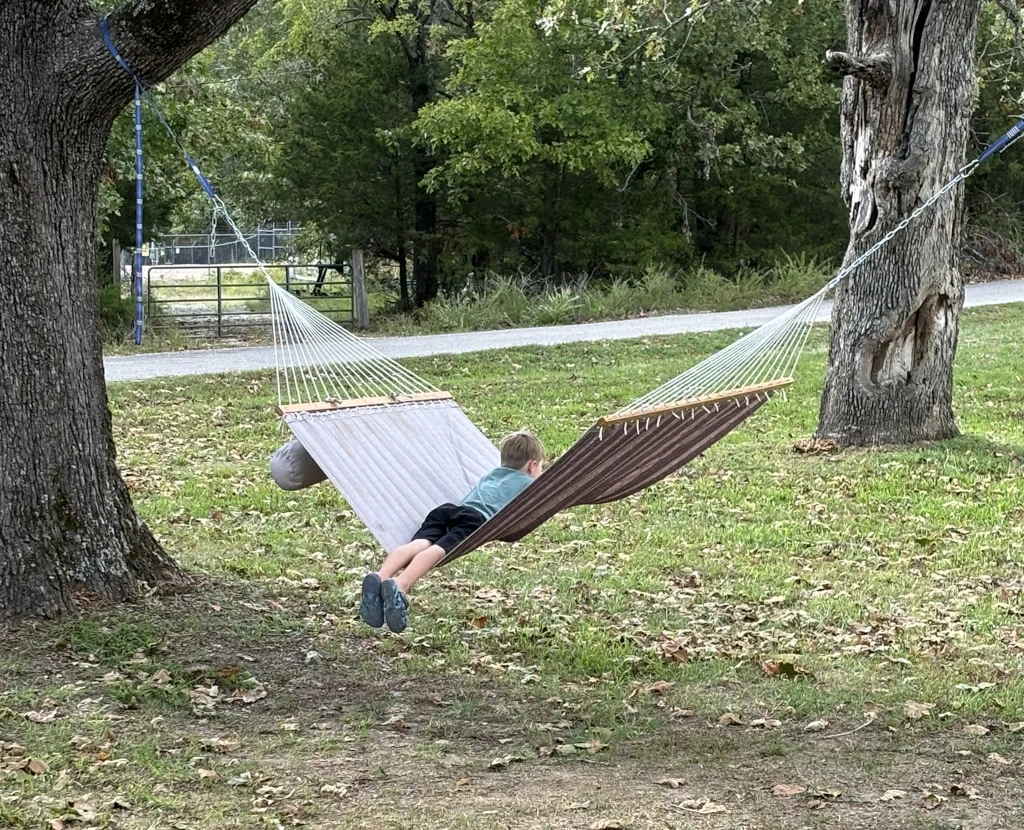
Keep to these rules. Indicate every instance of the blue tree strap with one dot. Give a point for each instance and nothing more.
(203, 181)
(137, 266)
(1002, 143)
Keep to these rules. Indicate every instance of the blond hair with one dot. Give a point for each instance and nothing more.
(520, 448)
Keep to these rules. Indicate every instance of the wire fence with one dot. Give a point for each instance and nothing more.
(272, 243)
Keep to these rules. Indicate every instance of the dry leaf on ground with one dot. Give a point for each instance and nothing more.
(700, 807)
(912, 710)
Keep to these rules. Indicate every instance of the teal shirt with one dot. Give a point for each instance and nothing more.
(495, 490)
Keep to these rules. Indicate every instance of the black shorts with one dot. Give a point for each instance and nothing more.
(449, 524)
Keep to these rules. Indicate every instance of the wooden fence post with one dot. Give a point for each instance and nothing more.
(115, 272)
(360, 300)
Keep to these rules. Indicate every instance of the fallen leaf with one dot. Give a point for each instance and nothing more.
(816, 726)
(206, 773)
(479, 622)
(161, 677)
(32, 766)
(675, 651)
(933, 800)
(960, 791)
(221, 744)
(996, 758)
(702, 808)
(504, 761)
(976, 730)
(783, 668)
(1015, 727)
(674, 783)
(82, 809)
(730, 719)
(912, 710)
(334, 789)
(892, 795)
(43, 717)
(579, 805)
(765, 723)
(659, 687)
(609, 824)
(787, 790)
(248, 696)
(241, 780)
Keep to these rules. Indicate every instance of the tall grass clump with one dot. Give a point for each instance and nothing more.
(508, 301)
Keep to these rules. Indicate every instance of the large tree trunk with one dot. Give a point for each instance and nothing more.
(907, 99)
(424, 267)
(67, 525)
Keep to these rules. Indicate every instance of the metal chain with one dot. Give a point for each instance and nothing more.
(965, 171)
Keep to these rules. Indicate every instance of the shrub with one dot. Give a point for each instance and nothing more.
(117, 313)
(554, 307)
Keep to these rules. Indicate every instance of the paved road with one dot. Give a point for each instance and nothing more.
(202, 362)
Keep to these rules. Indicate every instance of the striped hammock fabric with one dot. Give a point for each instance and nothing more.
(618, 457)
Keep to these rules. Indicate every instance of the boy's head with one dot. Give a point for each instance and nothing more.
(522, 451)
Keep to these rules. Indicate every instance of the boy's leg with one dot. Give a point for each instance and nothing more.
(422, 562)
(401, 556)
(371, 603)
(393, 591)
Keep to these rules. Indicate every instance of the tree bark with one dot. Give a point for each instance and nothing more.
(906, 103)
(67, 525)
(425, 243)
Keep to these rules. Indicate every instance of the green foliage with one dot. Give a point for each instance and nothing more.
(345, 165)
(117, 313)
(564, 139)
(510, 301)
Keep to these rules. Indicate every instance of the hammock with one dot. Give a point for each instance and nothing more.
(396, 446)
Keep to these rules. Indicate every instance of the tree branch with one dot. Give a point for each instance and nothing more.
(1013, 14)
(875, 69)
(156, 38)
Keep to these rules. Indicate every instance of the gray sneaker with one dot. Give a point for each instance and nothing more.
(396, 606)
(371, 604)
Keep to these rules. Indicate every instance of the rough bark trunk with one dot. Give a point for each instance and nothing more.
(907, 99)
(67, 525)
(424, 266)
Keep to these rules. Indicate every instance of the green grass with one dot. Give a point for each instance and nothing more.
(886, 577)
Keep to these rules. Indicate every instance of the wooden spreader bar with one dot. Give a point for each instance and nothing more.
(353, 403)
(696, 403)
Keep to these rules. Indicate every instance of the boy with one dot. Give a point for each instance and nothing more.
(384, 593)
